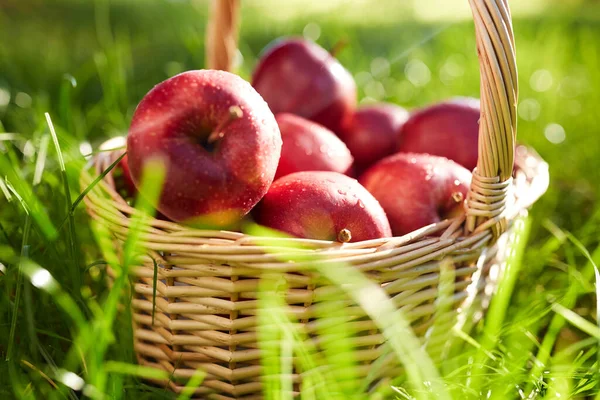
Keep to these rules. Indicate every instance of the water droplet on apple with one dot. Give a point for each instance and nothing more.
(323, 148)
(456, 182)
(413, 160)
(342, 192)
(361, 204)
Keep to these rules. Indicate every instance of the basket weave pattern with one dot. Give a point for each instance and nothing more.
(205, 309)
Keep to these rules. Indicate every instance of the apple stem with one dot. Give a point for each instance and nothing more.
(235, 112)
(457, 197)
(338, 46)
(345, 235)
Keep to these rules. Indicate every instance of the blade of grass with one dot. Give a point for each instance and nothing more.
(496, 314)
(139, 371)
(557, 322)
(276, 326)
(41, 160)
(42, 374)
(30, 202)
(577, 320)
(151, 186)
(396, 329)
(194, 382)
(81, 196)
(29, 312)
(72, 236)
(19, 288)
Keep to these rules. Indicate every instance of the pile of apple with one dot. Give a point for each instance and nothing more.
(285, 149)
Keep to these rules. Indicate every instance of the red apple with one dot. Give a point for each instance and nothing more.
(219, 142)
(323, 205)
(372, 132)
(416, 190)
(449, 129)
(300, 77)
(308, 146)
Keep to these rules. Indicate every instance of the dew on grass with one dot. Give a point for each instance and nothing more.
(85, 148)
(41, 279)
(71, 380)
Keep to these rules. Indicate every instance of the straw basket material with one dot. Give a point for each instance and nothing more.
(205, 303)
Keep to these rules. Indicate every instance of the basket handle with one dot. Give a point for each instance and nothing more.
(222, 34)
(497, 126)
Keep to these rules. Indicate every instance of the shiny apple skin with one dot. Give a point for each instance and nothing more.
(308, 146)
(300, 77)
(416, 190)
(319, 205)
(449, 129)
(372, 131)
(206, 184)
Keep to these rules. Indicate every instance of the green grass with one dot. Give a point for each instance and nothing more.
(88, 63)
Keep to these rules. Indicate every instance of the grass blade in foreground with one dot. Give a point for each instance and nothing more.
(501, 299)
(420, 369)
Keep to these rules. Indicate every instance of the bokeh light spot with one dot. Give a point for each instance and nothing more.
(23, 100)
(312, 31)
(541, 80)
(380, 68)
(555, 133)
(417, 73)
(529, 109)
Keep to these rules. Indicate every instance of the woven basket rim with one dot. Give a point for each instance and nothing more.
(532, 169)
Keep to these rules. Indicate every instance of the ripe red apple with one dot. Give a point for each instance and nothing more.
(323, 205)
(218, 140)
(308, 146)
(300, 77)
(449, 129)
(372, 131)
(416, 190)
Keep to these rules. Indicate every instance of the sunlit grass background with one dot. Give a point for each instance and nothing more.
(88, 63)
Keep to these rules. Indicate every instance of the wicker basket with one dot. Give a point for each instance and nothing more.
(205, 309)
